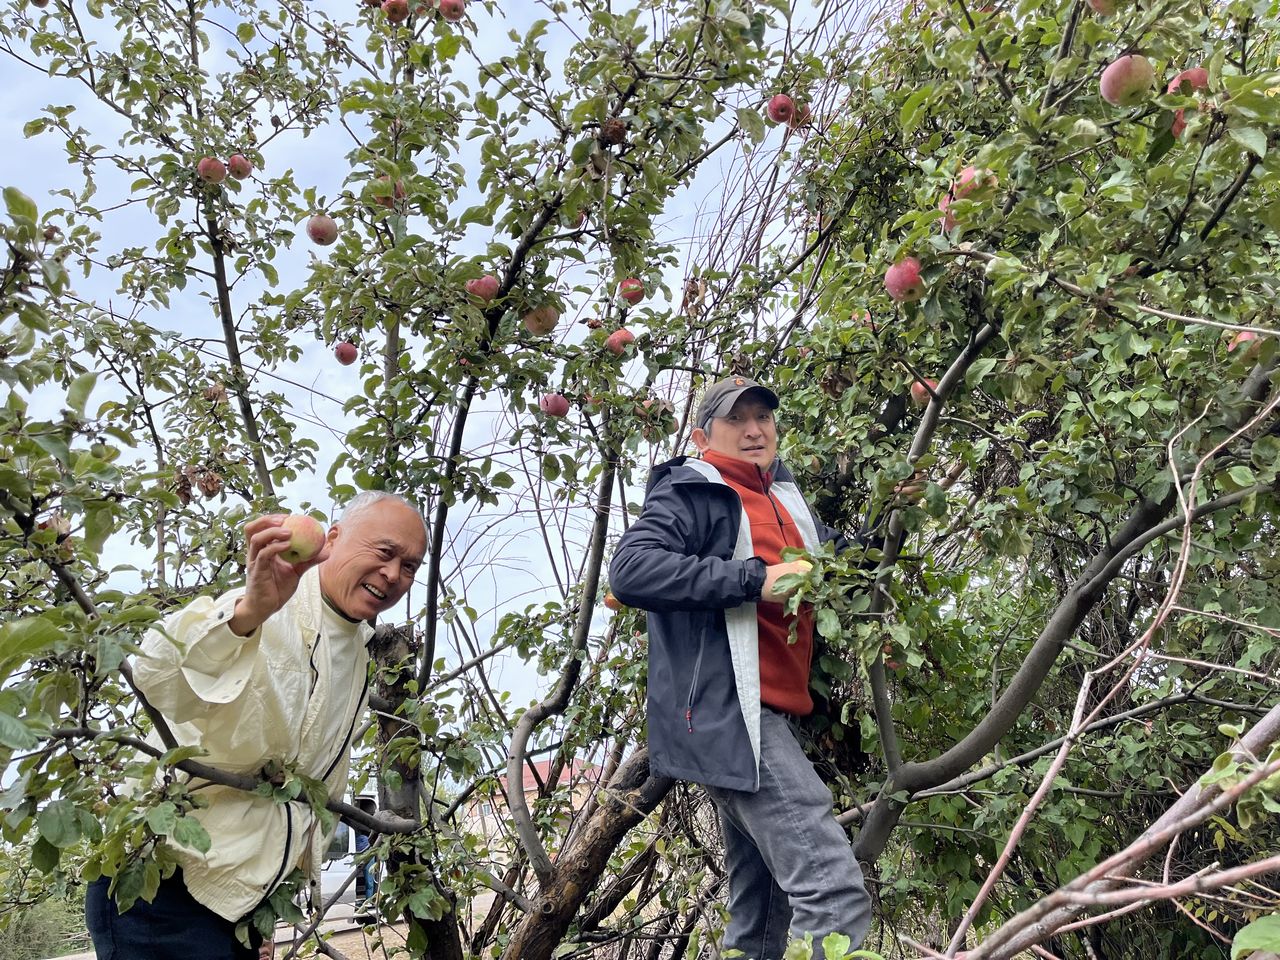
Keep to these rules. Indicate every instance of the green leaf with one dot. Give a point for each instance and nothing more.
(1241, 476)
(481, 213)
(911, 110)
(44, 855)
(23, 639)
(1262, 934)
(162, 817)
(245, 32)
(1251, 138)
(14, 733)
(751, 123)
(189, 832)
(827, 623)
(59, 824)
(78, 392)
(19, 205)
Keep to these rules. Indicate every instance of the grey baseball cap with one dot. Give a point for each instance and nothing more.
(723, 394)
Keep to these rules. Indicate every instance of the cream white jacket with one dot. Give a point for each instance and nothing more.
(246, 701)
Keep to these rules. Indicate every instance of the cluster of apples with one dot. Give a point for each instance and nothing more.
(397, 11)
(213, 171)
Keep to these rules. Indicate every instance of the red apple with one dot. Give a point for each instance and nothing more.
(238, 166)
(1195, 78)
(211, 170)
(396, 11)
(40, 3)
(346, 353)
(948, 218)
(781, 108)
(1103, 8)
(1190, 80)
(800, 117)
(307, 539)
(617, 341)
(1128, 81)
(1243, 337)
(541, 320)
(322, 229)
(397, 190)
(902, 280)
(922, 391)
(631, 290)
(612, 602)
(974, 183)
(483, 288)
(554, 405)
(453, 10)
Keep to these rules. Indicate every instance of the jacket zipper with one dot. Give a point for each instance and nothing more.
(288, 843)
(693, 685)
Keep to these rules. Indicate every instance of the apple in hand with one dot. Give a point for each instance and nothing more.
(307, 538)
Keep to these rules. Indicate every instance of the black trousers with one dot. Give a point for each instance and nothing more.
(174, 926)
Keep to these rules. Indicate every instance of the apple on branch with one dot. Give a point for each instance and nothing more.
(616, 342)
(483, 288)
(922, 391)
(346, 353)
(541, 320)
(453, 10)
(322, 229)
(902, 280)
(1128, 81)
(211, 170)
(781, 108)
(631, 290)
(554, 404)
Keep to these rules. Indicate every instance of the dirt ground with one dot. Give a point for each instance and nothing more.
(358, 944)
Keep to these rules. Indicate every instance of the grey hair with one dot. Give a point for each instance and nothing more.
(361, 502)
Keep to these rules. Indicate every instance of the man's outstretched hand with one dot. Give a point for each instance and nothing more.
(774, 572)
(270, 579)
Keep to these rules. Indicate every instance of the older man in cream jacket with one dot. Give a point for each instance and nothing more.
(276, 672)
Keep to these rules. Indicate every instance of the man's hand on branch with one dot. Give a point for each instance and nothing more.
(270, 580)
(774, 572)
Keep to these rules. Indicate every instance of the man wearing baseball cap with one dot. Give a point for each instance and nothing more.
(726, 683)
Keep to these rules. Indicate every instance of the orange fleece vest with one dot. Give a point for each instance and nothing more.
(784, 666)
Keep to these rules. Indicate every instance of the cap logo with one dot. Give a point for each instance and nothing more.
(738, 381)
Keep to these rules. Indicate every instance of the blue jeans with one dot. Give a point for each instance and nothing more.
(791, 868)
(173, 926)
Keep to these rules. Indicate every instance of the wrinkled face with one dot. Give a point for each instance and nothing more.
(374, 558)
(747, 432)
